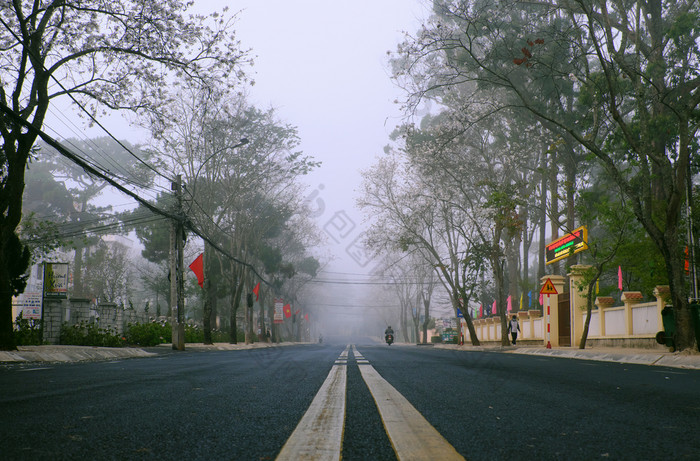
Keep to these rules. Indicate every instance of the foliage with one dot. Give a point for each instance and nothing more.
(109, 274)
(106, 54)
(148, 334)
(617, 80)
(27, 331)
(41, 236)
(90, 334)
(155, 333)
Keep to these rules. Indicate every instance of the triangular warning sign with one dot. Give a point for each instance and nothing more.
(548, 288)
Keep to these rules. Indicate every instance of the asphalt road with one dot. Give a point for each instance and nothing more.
(244, 405)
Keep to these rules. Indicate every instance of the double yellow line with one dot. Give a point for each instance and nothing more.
(319, 434)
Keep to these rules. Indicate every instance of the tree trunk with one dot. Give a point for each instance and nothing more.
(542, 223)
(501, 298)
(525, 240)
(207, 294)
(249, 318)
(554, 203)
(237, 285)
(426, 319)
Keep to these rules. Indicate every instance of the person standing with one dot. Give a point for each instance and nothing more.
(514, 328)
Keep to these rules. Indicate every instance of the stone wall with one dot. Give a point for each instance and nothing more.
(74, 311)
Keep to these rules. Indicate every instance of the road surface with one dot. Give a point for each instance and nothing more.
(361, 401)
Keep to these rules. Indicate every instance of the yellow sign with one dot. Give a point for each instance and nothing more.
(548, 288)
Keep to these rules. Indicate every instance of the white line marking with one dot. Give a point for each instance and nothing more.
(319, 434)
(411, 435)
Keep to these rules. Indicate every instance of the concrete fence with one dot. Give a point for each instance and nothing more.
(632, 324)
(74, 311)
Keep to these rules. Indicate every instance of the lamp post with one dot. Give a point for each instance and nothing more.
(242, 142)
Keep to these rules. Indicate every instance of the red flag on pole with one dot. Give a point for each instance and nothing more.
(256, 290)
(494, 308)
(306, 317)
(197, 267)
(619, 278)
(287, 311)
(510, 304)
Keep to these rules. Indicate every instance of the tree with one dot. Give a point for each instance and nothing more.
(409, 216)
(619, 79)
(240, 165)
(610, 225)
(105, 54)
(109, 276)
(65, 193)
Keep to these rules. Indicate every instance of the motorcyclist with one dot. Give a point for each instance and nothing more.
(387, 332)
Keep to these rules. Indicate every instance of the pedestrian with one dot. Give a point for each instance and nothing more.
(514, 328)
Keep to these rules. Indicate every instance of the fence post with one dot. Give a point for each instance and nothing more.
(630, 298)
(603, 302)
(662, 294)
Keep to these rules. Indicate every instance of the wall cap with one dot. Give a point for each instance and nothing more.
(631, 297)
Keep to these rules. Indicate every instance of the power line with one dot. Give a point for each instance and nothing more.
(90, 169)
(37, 59)
(359, 282)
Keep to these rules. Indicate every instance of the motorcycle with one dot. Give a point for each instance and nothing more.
(389, 338)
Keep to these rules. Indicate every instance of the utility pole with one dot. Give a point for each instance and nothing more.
(177, 301)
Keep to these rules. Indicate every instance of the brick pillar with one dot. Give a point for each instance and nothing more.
(79, 310)
(53, 312)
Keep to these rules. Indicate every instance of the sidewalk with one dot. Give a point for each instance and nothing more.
(652, 357)
(88, 353)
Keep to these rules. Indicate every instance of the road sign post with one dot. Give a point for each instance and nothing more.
(548, 289)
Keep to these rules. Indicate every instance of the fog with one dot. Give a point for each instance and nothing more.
(323, 67)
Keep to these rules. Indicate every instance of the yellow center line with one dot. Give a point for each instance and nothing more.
(411, 435)
(319, 434)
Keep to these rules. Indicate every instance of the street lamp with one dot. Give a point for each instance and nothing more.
(242, 142)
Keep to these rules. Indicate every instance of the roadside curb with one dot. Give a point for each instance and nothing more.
(70, 353)
(27, 354)
(650, 358)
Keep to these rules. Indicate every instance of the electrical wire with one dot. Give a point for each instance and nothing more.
(82, 163)
(92, 118)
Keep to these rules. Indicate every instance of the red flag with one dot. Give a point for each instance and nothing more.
(510, 304)
(481, 310)
(306, 317)
(287, 311)
(197, 267)
(256, 290)
(494, 308)
(619, 278)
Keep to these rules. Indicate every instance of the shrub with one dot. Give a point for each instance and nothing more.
(436, 339)
(90, 334)
(148, 334)
(27, 331)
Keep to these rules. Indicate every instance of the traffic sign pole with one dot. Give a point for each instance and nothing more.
(548, 289)
(549, 304)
